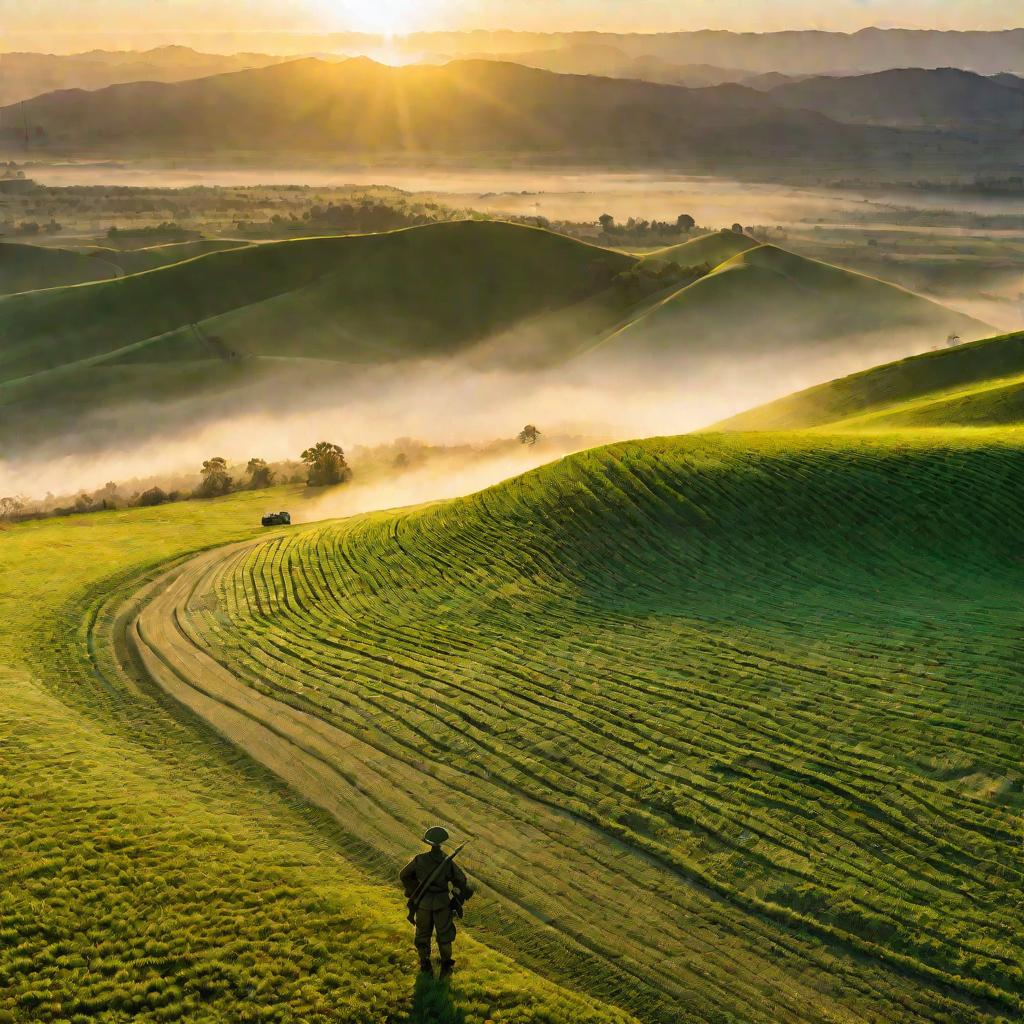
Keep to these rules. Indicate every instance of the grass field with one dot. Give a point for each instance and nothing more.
(976, 385)
(151, 873)
(734, 720)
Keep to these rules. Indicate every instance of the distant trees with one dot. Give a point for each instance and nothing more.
(529, 434)
(325, 465)
(649, 277)
(259, 473)
(154, 496)
(685, 222)
(607, 222)
(738, 228)
(10, 507)
(216, 479)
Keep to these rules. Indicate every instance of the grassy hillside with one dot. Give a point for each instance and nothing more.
(980, 384)
(770, 303)
(737, 718)
(150, 873)
(418, 292)
(712, 249)
(26, 267)
(134, 261)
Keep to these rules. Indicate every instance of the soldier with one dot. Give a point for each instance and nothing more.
(436, 887)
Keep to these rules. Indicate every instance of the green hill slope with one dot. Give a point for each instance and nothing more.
(150, 873)
(134, 261)
(713, 249)
(27, 267)
(981, 384)
(770, 303)
(420, 291)
(735, 718)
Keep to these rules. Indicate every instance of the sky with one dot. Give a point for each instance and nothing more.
(63, 21)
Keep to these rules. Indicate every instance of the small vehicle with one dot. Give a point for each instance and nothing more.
(277, 519)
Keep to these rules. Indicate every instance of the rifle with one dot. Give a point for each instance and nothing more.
(417, 896)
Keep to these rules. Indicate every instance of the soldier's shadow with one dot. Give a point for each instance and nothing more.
(432, 1003)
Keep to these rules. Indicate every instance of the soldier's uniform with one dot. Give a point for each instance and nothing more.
(434, 913)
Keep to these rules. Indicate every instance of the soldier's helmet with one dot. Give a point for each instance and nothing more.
(436, 835)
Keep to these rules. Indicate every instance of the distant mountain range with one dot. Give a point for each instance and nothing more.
(24, 75)
(912, 97)
(465, 108)
(488, 109)
(795, 52)
(613, 62)
(900, 97)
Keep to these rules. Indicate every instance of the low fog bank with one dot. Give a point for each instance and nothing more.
(439, 404)
(446, 474)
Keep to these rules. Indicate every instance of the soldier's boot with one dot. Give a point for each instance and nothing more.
(447, 963)
(426, 967)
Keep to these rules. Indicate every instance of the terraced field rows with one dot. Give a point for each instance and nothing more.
(734, 722)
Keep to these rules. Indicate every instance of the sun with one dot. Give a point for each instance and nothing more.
(387, 18)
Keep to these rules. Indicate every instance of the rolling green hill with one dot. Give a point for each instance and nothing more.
(256, 324)
(26, 267)
(150, 873)
(419, 292)
(980, 384)
(766, 302)
(733, 721)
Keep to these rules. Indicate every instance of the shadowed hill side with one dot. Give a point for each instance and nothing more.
(27, 267)
(981, 384)
(134, 261)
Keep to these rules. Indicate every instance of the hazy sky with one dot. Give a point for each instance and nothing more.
(61, 20)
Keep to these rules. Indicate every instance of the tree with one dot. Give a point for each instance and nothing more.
(326, 465)
(738, 228)
(215, 478)
(154, 496)
(685, 222)
(607, 222)
(259, 473)
(529, 434)
(10, 507)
